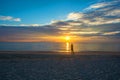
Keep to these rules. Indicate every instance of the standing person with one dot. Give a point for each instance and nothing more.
(72, 49)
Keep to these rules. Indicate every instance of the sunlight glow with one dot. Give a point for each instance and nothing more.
(67, 38)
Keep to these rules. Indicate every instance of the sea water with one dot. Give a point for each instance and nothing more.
(60, 47)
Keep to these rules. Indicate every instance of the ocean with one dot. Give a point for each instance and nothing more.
(59, 47)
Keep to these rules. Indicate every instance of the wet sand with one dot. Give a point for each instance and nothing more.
(51, 54)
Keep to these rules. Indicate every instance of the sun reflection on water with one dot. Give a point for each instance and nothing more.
(67, 46)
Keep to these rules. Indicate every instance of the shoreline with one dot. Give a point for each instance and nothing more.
(56, 55)
(63, 53)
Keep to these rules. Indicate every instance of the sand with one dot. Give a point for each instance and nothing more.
(30, 65)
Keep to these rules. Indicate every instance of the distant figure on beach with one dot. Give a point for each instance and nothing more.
(72, 49)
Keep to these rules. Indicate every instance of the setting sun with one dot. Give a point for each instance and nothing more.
(67, 38)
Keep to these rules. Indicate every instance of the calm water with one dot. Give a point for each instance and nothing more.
(45, 46)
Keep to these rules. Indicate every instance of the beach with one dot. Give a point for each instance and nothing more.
(37, 65)
(59, 39)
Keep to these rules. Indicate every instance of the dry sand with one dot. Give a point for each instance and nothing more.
(30, 65)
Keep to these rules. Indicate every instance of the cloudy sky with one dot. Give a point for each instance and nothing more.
(52, 20)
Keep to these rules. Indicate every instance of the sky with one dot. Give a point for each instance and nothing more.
(52, 20)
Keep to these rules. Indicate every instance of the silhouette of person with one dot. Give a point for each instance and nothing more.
(72, 49)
